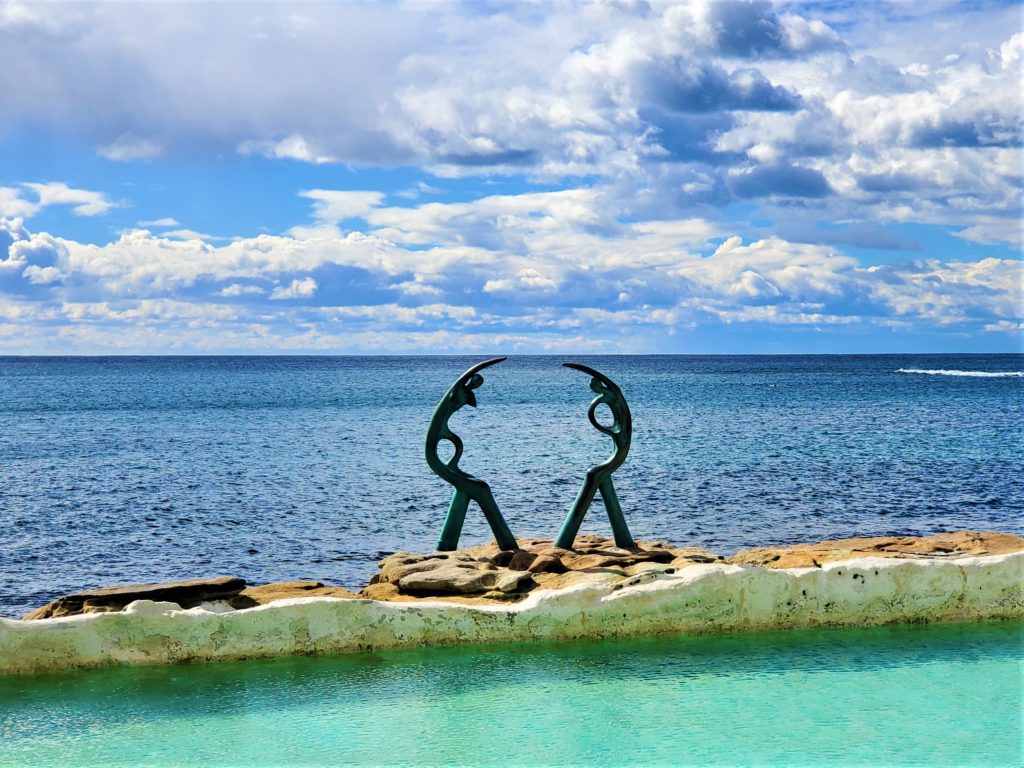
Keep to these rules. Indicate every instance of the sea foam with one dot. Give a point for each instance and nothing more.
(975, 374)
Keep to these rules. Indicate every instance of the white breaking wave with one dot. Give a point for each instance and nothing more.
(975, 374)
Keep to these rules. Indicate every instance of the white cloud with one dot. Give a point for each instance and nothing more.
(331, 205)
(128, 148)
(236, 290)
(164, 222)
(84, 202)
(417, 287)
(42, 275)
(296, 289)
(290, 148)
(12, 204)
(527, 279)
(911, 116)
(529, 275)
(189, 234)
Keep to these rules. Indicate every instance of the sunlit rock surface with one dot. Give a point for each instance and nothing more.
(542, 592)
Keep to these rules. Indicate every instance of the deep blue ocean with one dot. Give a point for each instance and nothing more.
(124, 469)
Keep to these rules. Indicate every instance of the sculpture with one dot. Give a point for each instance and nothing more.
(599, 477)
(467, 488)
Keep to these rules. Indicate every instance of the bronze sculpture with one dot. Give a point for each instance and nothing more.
(599, 477)
(467, 488)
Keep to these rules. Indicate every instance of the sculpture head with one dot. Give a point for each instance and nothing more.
(463, 394)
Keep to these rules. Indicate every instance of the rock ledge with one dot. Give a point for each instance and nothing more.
(487, 596)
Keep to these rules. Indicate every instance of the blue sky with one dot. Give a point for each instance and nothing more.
(609, 177)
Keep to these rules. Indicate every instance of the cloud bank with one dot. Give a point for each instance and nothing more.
(676, 166)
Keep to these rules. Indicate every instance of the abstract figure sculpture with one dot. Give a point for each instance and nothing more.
(599, 477)
(467, 487)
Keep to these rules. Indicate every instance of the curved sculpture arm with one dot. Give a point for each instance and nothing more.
(611, 431)
(621, 430)
(475, 369)
(459, 394)
(456, 441)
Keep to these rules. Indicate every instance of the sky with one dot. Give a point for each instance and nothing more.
(490, 177)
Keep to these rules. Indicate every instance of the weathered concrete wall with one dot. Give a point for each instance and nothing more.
(701, 598)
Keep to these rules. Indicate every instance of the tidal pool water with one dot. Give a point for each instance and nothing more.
(908, 695)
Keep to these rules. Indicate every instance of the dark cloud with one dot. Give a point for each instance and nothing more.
(746, 28)
(752, 29)
(502, 157)
(689, 86)
(988, 130)
(689, 138)
(889, 182)
(781, 180)
(873, 76)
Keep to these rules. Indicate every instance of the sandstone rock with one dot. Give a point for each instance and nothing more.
(521, 560)
(956, 544)
(796, 560)
(486, 574)
(547, 564)
(503, 558)
(639, 568)
(462, 578)
(395, 567)
(283, 590)
(380, 591)
(184, 593)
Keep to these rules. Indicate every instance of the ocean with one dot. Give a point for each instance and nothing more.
(136, 469)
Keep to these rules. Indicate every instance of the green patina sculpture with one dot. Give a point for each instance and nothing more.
(467, 487)
(599, 477)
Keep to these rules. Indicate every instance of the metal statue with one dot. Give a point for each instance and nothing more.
(599, 477)
(467, 487)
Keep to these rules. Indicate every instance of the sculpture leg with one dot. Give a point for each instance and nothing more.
(577, 512)
(452, 529)
(502, 533)
(623, 538)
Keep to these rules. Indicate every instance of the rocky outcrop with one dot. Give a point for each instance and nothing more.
(956, 544)
(485, 574)
(656, 598)
(185, 594)
(250, 597)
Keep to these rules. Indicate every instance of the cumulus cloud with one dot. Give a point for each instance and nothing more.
(678, 162)
(42, 275)
(779, 180)
(236, 290)
(296, 289)
(755, 100)
(83, 202)
(531, 276)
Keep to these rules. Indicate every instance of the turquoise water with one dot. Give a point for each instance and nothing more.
(911, 695)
